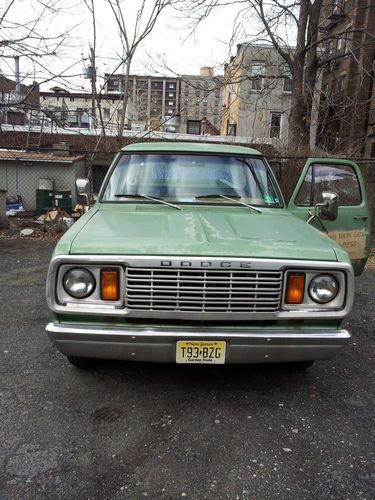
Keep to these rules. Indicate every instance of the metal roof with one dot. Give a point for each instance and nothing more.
(31, 156)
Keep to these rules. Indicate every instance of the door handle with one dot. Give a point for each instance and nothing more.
(360, 217)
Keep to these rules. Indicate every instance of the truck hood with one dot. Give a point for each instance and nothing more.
(144, 229)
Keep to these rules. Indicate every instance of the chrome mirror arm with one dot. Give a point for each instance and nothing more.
(314, 215)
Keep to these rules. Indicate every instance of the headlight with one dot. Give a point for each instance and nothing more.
(79, 283)
(323, 288)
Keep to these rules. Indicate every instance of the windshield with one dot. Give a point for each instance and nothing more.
(188, 178)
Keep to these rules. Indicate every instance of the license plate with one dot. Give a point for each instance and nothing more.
(200, 351)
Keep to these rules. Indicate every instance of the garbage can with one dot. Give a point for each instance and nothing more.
(63, 200)
(44, 200)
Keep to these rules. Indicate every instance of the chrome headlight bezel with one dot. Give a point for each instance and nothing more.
(308, 304)
(328, 283)
(82, 276)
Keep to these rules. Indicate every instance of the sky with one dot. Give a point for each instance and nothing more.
(170, 49)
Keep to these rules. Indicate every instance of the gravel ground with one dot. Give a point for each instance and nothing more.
(130, 430)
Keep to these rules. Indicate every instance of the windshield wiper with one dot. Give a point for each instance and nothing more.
(211, 195)
(145, 196)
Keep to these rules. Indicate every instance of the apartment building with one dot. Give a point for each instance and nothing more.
(200, 102)
(74, 109)
(256, 94)
(156, 99)
(18, 103)
(347, 104)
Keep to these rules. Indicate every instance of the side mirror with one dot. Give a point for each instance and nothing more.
(84, 189)
(328, 210)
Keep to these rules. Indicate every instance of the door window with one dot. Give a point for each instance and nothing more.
(339, 179)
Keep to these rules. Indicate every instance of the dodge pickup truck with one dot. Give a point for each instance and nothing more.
(191, 255)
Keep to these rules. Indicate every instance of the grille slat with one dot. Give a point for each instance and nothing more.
(206, 299)
(208, 290)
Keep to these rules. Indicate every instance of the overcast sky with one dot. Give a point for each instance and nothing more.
(168, 46)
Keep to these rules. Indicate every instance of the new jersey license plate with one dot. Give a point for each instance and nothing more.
(200, 351)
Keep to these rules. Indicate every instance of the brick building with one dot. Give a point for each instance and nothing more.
(347, 104)
(200, 102)
(19, 103)
(156, 100)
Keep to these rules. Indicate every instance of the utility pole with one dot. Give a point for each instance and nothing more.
(91, 75)
(17, 75)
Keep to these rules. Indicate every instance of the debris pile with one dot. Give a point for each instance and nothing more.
(51, 224)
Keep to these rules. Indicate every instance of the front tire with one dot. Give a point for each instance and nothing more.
(82, 363)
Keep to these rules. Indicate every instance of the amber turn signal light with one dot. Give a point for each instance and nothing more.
(109, 284)
(295, 288)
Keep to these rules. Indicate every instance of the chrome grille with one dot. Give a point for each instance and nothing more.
(196, 290)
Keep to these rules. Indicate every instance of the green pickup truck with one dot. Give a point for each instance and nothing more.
(190, 255)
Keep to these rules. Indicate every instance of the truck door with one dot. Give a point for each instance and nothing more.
(351, 229)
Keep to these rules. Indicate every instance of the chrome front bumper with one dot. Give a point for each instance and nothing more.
(159, 344)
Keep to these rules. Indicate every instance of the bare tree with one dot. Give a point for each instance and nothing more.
(146, 17)
(33, 40)
(296, 30)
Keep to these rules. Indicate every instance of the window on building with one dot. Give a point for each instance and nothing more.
(73, 119)
(194, 127)
(342, 83)
(71, 99)
(334, 87)
(339, 44)
(337, 6)
(231, 129)
(106, 113)
(275, 126)
(287, 79)
(256, 75)
(347, 39)
(85, 120)
(113, 85)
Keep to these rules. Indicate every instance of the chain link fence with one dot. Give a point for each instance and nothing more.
(37, 181)
(41, 179)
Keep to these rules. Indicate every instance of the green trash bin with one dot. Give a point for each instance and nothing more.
(44, 200)
(63, 200)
